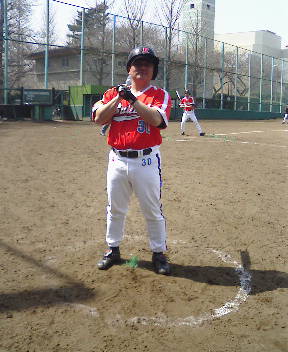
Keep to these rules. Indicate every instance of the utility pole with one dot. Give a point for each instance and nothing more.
(6, 48)
(1, 48)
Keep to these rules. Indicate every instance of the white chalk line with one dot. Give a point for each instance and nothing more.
(229, 307)
(234, 133)
(191, 321)
(235, 141)
(83, 308)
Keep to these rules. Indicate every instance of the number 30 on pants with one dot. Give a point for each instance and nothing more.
(147, 161)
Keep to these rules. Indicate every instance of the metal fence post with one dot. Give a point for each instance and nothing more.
(113, 50)
(260, 88)
(204, 74)
(141, 34)
(281, 86)
(222, 74)
(186, 63)
(271, 84)
(165, 60)
(236, 78)
(47, 46)
(249, 80)
(6, 49)
(82, 47)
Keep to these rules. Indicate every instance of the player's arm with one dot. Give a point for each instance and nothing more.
(105, 112)
(154, 116)
(149, 114)
(182, 104)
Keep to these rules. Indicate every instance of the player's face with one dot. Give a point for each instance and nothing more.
(142, 69)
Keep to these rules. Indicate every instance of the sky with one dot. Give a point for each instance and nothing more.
(230, 15)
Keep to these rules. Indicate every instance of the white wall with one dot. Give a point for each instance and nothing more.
(264, 42)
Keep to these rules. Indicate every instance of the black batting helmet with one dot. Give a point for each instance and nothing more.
(145, 53)
(187, 91)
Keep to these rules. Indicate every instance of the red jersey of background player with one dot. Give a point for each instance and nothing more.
(188, 103)
(128, 130)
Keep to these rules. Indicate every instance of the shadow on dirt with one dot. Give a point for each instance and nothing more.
(70, 291)
(76, 291)
(261, 280)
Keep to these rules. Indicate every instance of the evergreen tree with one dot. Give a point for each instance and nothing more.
(96, 33)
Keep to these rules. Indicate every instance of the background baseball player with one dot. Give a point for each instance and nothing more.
(285, 119)
(188, 104)
(136, 115)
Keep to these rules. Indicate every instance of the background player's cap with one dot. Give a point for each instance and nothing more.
(145, 53)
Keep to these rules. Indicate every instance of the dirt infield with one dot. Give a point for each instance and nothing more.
(225, 200)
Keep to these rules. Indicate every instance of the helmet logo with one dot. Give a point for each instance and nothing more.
(145, 50)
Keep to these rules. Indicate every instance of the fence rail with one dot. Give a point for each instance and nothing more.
(220, 75)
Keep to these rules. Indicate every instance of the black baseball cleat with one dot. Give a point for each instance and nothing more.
(182, 133)
(161, 264)
(111, 257)
(202, 134)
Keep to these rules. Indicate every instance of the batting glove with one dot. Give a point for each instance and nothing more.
(125, 93)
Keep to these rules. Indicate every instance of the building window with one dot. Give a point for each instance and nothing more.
(65, 61)
(192, 6)
(208, 6)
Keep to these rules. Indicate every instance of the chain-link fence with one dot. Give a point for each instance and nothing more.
(95, 50)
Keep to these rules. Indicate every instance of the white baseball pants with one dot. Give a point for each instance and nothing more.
(190, 115)
(143, 176)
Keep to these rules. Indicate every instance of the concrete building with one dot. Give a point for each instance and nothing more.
(263, 41)
(198, 16)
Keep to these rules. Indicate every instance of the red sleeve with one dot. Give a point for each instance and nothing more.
(162, 102)
(109, 95)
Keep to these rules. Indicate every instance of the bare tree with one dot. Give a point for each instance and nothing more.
(169, 12)
(135, 11)
(19, 14)
(42, 34)
(229, 74)
(195, 36)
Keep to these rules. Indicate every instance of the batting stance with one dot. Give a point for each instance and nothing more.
(136, 115)
(285, 118)
(188, 104)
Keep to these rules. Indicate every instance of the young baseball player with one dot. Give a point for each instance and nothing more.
(188, 104)
(136, 115)
(285, 119)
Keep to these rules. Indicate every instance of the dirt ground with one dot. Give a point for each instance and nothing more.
(225, 200)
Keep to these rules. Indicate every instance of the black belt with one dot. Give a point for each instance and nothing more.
(133, 153)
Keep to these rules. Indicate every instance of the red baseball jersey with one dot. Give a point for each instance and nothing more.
(189, 103)
(127, 129)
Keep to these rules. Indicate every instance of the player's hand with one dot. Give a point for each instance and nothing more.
(126, 94)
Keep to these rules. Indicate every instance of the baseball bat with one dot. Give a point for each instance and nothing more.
(178, 95)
